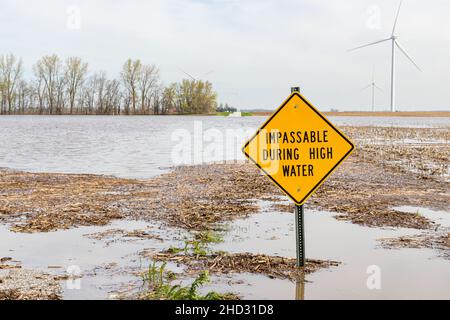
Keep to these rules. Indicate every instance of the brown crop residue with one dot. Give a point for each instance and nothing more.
(17, 283)
(386, 170)
(438, 242)
(23, 284)
(227, 263)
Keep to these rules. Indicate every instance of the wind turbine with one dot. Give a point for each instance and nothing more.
(192, 77)
(374, 86)
(188, 74)
(394, 39)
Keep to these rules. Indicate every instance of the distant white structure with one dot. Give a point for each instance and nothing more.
(373, 86)
(394, 39)
(236, 114)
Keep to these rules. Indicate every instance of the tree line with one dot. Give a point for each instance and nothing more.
(59, 87)
(225, 108)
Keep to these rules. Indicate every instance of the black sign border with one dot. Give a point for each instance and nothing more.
(323, 118)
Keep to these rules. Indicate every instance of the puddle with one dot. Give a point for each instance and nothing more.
(107, 264)
(440, 217)
(404, 274)
(104, 264)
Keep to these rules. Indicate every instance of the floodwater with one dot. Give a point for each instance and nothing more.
(404, 273)
(103, 264)
(139, 147)
(106, 265)
(142, 147)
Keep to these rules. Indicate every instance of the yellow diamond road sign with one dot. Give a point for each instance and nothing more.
(298, 148)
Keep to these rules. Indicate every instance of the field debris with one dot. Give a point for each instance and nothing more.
(391, 167)
(114, 235)
(201, 197)
(438, 242)
(9, 263)
(23, 284)
(221, 263)
(422, 151)
(40, 202)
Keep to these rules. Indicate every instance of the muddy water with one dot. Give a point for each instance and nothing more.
(138, 147)
(103, 264)
(404, 274)
(108, 264)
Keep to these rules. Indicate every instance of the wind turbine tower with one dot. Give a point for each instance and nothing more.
(374, 86)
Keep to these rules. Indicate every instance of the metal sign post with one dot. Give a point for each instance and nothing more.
(299, 226)
(299, 231)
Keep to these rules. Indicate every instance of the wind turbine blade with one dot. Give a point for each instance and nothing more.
(396, 18)
(187, 74)
(366, 87)
(370, 44)
(407, 55)
(379, 88)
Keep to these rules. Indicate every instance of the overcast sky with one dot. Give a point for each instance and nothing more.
(252, 51)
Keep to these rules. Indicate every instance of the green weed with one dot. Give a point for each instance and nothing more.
(159, 286)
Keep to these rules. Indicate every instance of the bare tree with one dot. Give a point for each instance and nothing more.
(2, 98)
(147, 83)
(99, 89)
(61, 96)
(75, 72)
(130, 75)
(10, 75)
(38, 88)
(24, 97)
(112, 97)
(48, 69)
(88, 94)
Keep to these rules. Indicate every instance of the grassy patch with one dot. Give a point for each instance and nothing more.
(159, 286)
(223, 114)
(226, 114)
(199, 246)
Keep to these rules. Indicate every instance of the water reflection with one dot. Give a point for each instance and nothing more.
(356, 247)
(300, 285)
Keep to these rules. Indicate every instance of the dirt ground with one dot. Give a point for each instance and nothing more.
(439, 241)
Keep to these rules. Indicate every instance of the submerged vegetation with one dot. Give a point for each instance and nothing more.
(199, 246)
(158, 285)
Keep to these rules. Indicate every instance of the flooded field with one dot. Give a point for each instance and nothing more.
(329, 239)
(378, 228)
(138, 147)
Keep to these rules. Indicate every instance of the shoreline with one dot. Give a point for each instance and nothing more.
(412, 114)
(376, 114)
